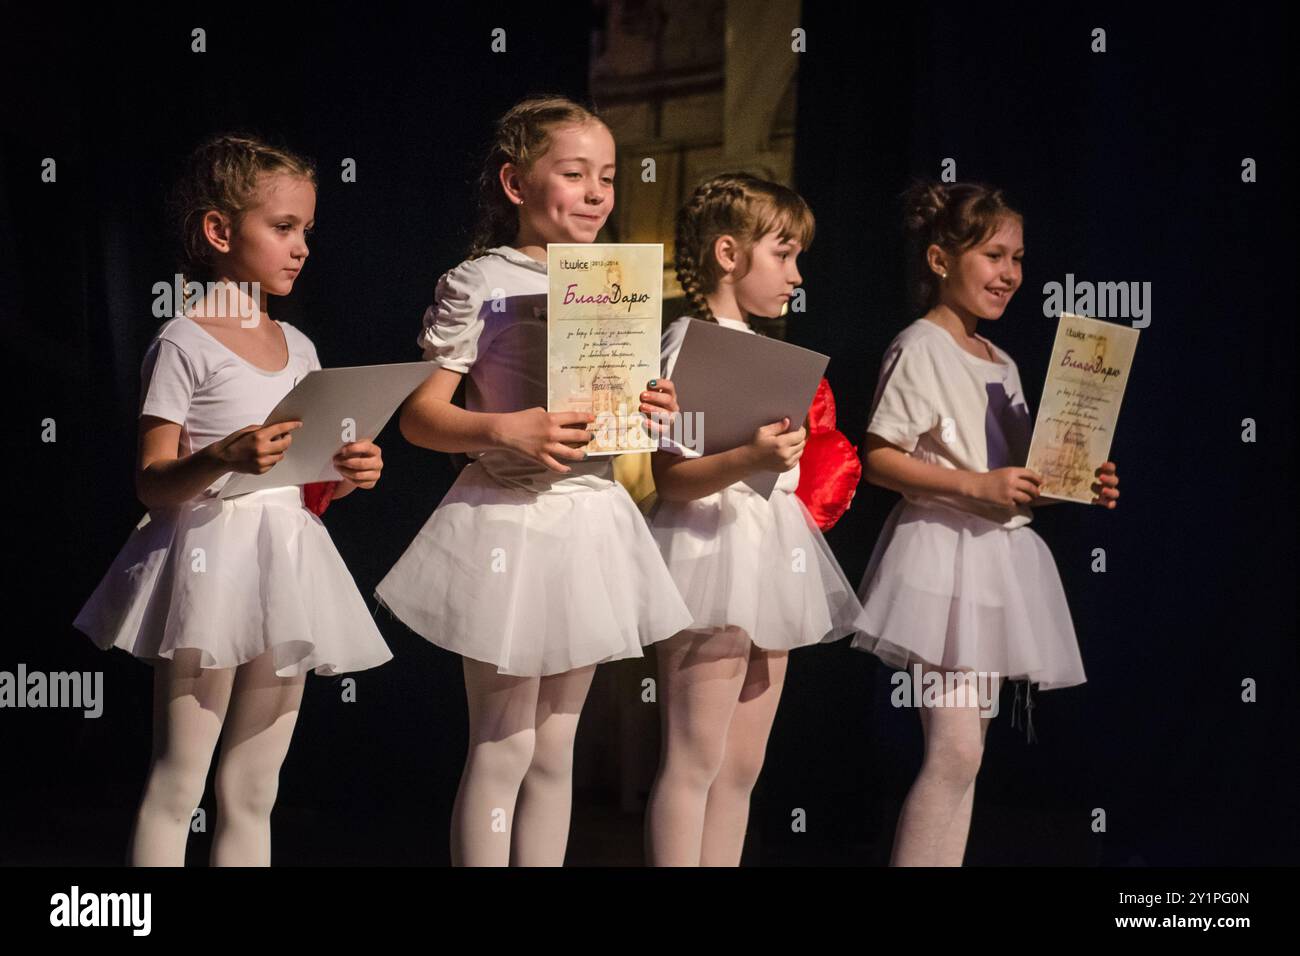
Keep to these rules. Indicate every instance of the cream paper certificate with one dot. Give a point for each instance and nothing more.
(1081, 397)
(604, 313)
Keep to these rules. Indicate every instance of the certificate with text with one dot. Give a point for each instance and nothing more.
(1085, 382)
(604, 316)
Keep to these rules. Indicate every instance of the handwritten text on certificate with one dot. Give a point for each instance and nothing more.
(1081, 397)
(604, 316)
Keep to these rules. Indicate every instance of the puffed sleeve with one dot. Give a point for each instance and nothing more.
(453, 323)
(669, 347)
(168, 380)
(907, 396)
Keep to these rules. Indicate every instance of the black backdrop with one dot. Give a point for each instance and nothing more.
(1126, 166)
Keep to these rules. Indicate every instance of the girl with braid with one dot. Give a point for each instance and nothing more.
(537, 565)
(756, 573)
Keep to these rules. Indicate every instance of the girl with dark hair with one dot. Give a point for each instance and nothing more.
(958, 585)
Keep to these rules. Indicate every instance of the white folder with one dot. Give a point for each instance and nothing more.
(360, 399)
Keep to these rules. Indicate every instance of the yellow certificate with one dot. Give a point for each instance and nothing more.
(1081, 397)
(604, 316)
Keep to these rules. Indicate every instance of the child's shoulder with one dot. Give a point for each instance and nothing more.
(184, 333)
(295, 336)
(921, 333)
(675, 331)
(188, 349)
(498, 263)
(500, 268)
(1001, 353)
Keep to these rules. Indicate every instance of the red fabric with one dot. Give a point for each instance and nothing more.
(830, 469)
(318, 495)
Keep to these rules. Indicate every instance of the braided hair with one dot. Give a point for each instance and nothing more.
(953, 217)
(521, 136)
(738, 205)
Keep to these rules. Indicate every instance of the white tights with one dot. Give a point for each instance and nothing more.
(190, 709)
(516, 792)
(935, 821)
(718, 695)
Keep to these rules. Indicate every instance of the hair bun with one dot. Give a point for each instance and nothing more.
(923, 204)
(954, 217)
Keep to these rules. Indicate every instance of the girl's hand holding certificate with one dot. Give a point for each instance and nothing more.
(1007, 487)
(546, 436)
(659, 405)
(1106, 486)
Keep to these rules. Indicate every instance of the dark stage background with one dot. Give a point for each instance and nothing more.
(1126, 166)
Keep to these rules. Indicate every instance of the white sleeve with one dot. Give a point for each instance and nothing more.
(168, 380)
(453, 323)
(907, 396)
(300, 342)
(669, 347)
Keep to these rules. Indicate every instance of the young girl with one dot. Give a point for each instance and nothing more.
(756, 573)
(957, 583)
(536, 566)
(233, 600)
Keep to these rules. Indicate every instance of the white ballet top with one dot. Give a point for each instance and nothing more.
(190, 378)
(488, 320)
(670, 347)
(947, 407)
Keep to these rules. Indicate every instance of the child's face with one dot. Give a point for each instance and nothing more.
(985, 277)
(770, 277)
(569, 192)
(270, 244)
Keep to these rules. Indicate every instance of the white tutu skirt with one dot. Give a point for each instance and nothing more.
(960, 592)
(235, 579)
(758, 564)
(534, 583)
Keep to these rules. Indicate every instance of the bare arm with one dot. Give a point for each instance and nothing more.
(684, 479)
(771, 449)
(430, 420)
(163, 478)
(890, 467)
